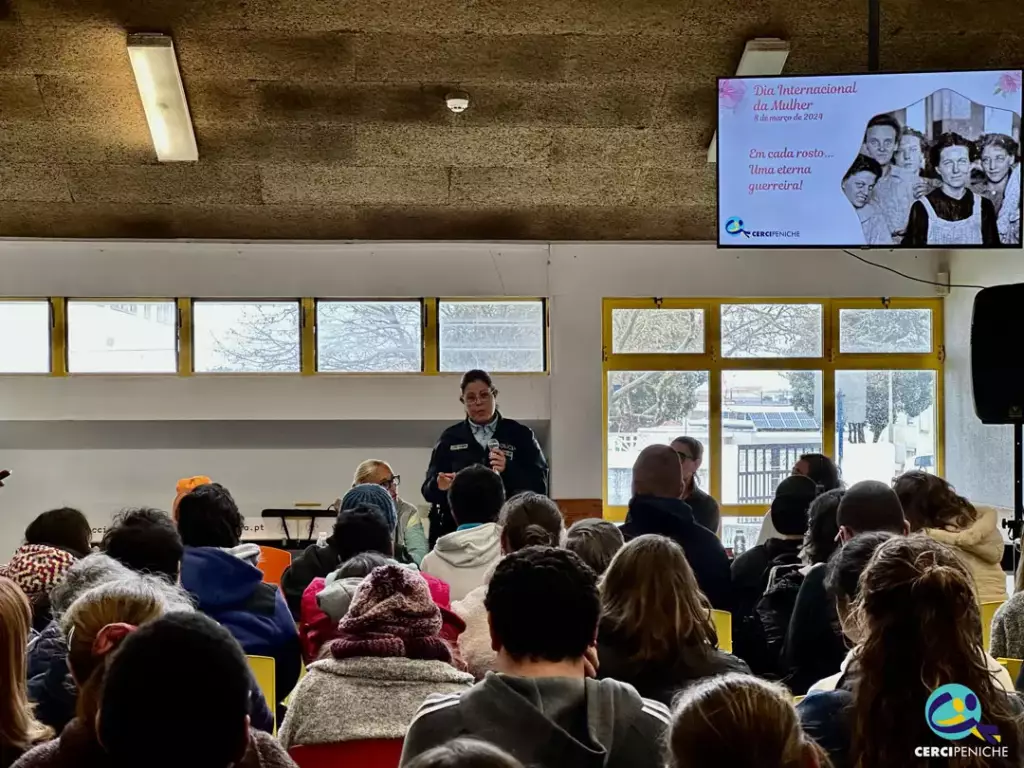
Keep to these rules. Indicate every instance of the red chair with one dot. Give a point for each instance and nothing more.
(273, 562)
(371, 753)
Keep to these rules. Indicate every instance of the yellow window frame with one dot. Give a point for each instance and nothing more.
(711, 360)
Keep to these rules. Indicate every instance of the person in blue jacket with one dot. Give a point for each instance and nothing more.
(222, 576)
(484, 437)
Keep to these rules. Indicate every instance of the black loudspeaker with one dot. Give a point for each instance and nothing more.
(997, 363)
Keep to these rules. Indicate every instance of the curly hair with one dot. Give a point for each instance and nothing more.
(822, 528)
(930, 502)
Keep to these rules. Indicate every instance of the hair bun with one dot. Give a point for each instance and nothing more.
(537, 536)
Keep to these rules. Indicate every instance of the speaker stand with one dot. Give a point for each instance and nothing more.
(1017, 523)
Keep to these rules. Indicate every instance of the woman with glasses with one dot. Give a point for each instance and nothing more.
(484, 437)
(411, 532)
(705, 509)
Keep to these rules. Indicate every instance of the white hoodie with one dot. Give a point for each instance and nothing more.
(464, 558)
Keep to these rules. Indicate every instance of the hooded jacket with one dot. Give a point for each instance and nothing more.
(315, 562)
(547, 722)
(464, 558)
(980, 546)
(229, 589)
(673, 519)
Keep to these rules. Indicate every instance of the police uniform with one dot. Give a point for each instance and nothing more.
(526, 469)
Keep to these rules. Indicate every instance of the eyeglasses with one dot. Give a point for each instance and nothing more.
(486, 397)
(392, 482)
(684, 456)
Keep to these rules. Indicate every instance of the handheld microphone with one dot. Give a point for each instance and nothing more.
(492, 445)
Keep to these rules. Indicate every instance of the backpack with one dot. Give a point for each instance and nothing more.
(774, 610)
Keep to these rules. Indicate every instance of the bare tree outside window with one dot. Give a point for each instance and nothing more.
(771, 330)
(369, 336)
(496, 336)
(246, 337)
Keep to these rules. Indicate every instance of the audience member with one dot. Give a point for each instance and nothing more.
(465, 753)
(412, 530)
(814, 642)
(921, 629)
(543, 606)
(350, 537)
(176, 693)
(19, 729)
(705, 509)
(388, 656)
(146, 540)
(752, 569)
(775, 608)
(63, 528)
(526, 520)
(825, 474)
(184, 487)
(932, 505)
(1008, 624)
(656, 631)
(37, 569)
(596, 541)
(464, 557)
(657, 508)
(222, 575)
(740, 721)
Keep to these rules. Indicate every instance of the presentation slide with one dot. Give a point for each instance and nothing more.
(922, 160)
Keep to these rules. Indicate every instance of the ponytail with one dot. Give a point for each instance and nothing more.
(530, 520)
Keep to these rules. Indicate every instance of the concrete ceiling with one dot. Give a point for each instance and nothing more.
(325, 118)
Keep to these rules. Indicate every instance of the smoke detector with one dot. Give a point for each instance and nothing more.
(457, 101)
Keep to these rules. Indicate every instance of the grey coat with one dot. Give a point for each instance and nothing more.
(1008, 629)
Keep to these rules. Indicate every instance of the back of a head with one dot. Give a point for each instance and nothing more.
(650, 601)
(208, 517)
(657, 472)
(147, 541)
(476, 495)
(820, 541)
(362, 565)
(922, 629)
(870, 506)
(848, 562)
(596, 541)
(64, 528)
(359, 529)
(372, 495)
(531, 520)
(15, 623)
(930, 502)
(744, 722)
(543, 603)
(176, 694)
(87, 573)
(822, 470)
(465, 753)
(791, 504)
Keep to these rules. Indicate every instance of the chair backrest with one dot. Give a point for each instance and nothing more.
(263, 670)
(1012, 666)
(723, 627)
(273, 563)
(371, 753)
(988, 611)
(798, 699)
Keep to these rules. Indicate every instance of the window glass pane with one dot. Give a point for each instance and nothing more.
(771, 330)
(885, 423)
(246, 336)
(885, 331)
(740, 533)
(657, 331)
(650, 407)
(369, 336)
(122, 337)
(497, 336)
(769, 418)
(25, 329)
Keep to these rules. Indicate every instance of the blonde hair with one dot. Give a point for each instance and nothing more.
(18, 725)
(650, 600)
(366, 471)
(745, 722)
(133, 600)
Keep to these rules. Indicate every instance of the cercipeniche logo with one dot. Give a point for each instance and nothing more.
(734, 226)
(953, 712)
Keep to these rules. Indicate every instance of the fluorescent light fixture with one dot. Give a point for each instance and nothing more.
(761, 56)
(163, 97)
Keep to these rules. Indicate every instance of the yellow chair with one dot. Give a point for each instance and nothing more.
(988, 611)
(798, 699)
(723, 627)
(263, 670)
(1012, 666)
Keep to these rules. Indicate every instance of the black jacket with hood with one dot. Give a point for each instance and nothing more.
(547, 722)
(315, 562)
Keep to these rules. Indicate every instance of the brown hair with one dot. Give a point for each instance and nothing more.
(596, 541)
(18, 726)
(651, 601)
(745, 722)
(930, 502)
(922, 629)
(530, 520)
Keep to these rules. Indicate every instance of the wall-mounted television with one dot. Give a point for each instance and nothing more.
(921, 160)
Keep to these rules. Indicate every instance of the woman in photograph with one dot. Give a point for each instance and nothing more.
(1001, 183)
(858, 184)
(952, 214)
(897, 190)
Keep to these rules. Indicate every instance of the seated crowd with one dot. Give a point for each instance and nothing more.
(515, 642)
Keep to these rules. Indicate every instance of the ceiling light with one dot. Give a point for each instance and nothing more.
(762, 56)
(163, 97)
(457, 101)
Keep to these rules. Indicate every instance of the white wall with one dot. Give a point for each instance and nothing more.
(575, 275)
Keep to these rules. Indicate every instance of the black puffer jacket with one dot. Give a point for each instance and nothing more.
(315, 562)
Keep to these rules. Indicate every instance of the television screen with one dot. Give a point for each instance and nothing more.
(923, 160)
